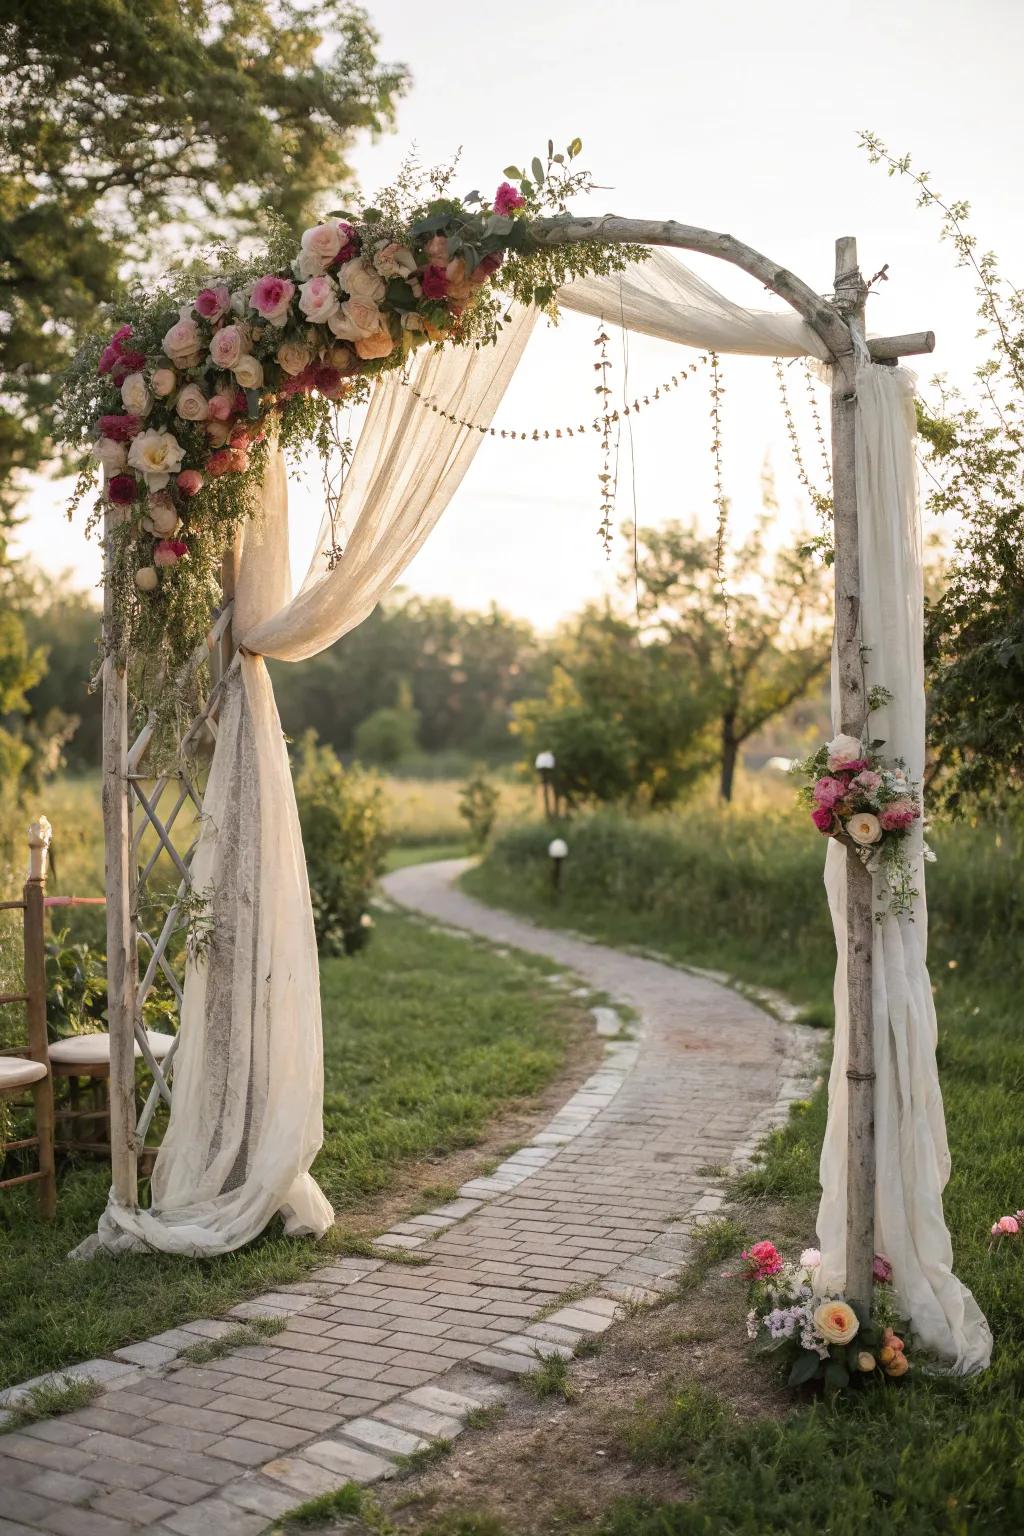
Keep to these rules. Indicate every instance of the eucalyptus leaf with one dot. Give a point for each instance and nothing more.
(537, 170)
(513, 172)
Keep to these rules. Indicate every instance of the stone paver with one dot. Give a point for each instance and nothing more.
(377, 1359)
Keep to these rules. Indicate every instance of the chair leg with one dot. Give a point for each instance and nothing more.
(42, 1094)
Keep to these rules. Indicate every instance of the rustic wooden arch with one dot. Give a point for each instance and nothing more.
(132, 802)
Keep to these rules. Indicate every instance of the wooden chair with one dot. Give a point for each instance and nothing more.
(84, 1062)
(28, 1068)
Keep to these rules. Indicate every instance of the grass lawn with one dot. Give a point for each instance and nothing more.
(427, 1040)
(937, 1457)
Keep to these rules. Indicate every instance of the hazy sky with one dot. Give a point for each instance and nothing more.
(740, 117)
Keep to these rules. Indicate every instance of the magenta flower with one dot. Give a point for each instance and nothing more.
(271, 297)
(823, 818)
(898, 816)
(507, 199)
(434, 282)
(213, 302)
(763, 1259)
(121, 428)
(1006, 1225)
(829, 791)
(122, 490)
(881, 1269)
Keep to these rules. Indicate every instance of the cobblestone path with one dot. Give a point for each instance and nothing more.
(378, 1358)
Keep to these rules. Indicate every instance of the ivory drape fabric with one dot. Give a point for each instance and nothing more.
(246, 1114)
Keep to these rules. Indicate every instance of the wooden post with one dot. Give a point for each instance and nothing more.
(860, 1068)
(122, 962)
(35, 1008)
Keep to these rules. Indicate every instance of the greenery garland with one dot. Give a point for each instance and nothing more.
(178, 401)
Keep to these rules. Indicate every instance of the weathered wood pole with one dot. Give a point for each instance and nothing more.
(35, 992)
(860, 1061)
(122, 962)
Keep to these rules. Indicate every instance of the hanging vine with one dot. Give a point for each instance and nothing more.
(607, 477)
(820, 500)
(721, 503)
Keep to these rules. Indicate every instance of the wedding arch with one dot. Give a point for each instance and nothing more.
(245, 1109)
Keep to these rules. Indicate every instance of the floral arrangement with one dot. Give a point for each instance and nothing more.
(177, 399)
(1006, 1226)
(823, 1338)
(867, 803)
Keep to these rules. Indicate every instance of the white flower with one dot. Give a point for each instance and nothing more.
(240, 299)
(157, 456)
(183, 343)
(810, 1258)
(248, 372)
(558, 848)
(163, 520)
(192, 404)
(394, 260)
(864, 828)
(843, 750)
(356, 318)
(136, 397)
(320, 245)
(358, 279)
(146, 578)
(113, 456)
(318, 299)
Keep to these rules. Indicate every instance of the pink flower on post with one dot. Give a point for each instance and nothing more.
(868, 781)
(507, 199)
(881, 1269)
(189, 482)
(897, 816)
(271, 297)
(213, 302)
(829, 791)
(169, 551)
(221, 462)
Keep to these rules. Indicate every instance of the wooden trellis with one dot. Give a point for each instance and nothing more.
(132, 803)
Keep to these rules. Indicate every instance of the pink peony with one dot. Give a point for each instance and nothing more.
(121, 335)
(434, 281)
(763, 1259)
(213, 302)
(122, 490)
(126, 363)
(169, 551)
(507, 199)
(111, 353)
(271, 297)
(829, 791)
(221, 462)
(823, 818)
(189, 482)
(881, 1269)
(868, 781)
(120, 428)
(897, 816)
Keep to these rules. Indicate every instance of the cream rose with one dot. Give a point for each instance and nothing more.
(394, 260)
(228, 345)
(864, 828)
(192, 404)
(163, 383)
(318, 299)
(183, 343)
(135, 395)
(836, 1322)
(843, 750)
(355, 318)
(157, 456)
(377, 345)
(294, 356)
(360, 281)
(320, 245)
(240, 299)
(865, 1361)
(112, 456)
(248, 372)
(162, 517)
(146, 578)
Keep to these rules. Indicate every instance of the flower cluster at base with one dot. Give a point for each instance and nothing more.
(868, 803)
(1007, 1226)
(822, 1338)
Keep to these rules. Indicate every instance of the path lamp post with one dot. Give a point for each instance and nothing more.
(544, 763)
(558, 852)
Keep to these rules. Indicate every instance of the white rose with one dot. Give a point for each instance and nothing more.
(183, 344)
(157, 456)
(113, 456)
(240, 299)
(192, 404)
(394, 260)
(318, 299)
(294, 356)
(164, 382)
(320, 245)
(864, 828)
(146, 578)
(355, 318)
(136, 397)
(360, 281)
(248, 372)
(842, 750)
(163, 520)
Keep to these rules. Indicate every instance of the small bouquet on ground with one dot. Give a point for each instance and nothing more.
(823, 1338)
(869, 805)
(1006, 1226)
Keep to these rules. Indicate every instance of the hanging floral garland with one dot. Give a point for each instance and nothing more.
(178, 399)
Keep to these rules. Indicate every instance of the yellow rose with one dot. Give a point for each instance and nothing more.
(836, 1322)
(899, 1365)
(865, 1361)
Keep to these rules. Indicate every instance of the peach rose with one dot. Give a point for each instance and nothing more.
(864, 828)
(294, 356)
(163, 383)
(136, 397)
(355, 318)
(217, 432)
(146, 578)
(360, 281)
(320, 245)
(377, 345)
(394, 260)
(836, 1322)
(342, 358)
(183, 343)
(899, 1365)
(248, 372)
(192, 404)
(459, 286)
(437, 249)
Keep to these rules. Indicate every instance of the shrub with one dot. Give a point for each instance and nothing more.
(478, 806)
(344, 828)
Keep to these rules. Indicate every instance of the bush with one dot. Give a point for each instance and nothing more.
(344, 829)
(388, 736)
(478, 806)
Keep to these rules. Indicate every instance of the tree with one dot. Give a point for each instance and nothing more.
(754, 643)
(389, 735)
(127, 127)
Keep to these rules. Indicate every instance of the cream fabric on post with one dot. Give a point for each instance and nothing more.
(911, 1154)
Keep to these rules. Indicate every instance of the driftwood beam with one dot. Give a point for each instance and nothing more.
(886, 349)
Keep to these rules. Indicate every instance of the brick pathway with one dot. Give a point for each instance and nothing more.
(378, 1359)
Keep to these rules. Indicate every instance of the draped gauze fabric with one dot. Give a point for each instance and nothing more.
(911, 1153)
(245, 1121)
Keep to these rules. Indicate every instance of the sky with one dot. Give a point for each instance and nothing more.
(739, 117)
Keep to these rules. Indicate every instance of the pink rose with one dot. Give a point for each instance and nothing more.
(868, 781)
(228, 345)
(507, 199)
(213, 302)
(823, 818)
(169, 551)
(271, 298)
(189, 482)
(1007, 1224)
(122, 490)
(120, 428)
(434, 281)
(220, 463)
(436, 249)
(183, 344)
(318, 299)
(897, 816)
(763, 1260)
(829, 791)
(220, 407)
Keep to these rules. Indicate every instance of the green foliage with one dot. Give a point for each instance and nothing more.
(478, 806)
(975, 626)
(389, 735)
(550, 1378)
(121, 122)
(327, 1507)
(345, 835)
(76, 987)
(256, 1331)
(664, 1433)
(65, 1394)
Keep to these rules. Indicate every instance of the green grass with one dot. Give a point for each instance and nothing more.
(256, 1331)
(49, 1400)
(940, 1457)
(344, 1503)
(426, 1038)
(550, 1379)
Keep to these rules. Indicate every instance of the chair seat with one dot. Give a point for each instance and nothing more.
(16, 1072)
(94, 1050)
